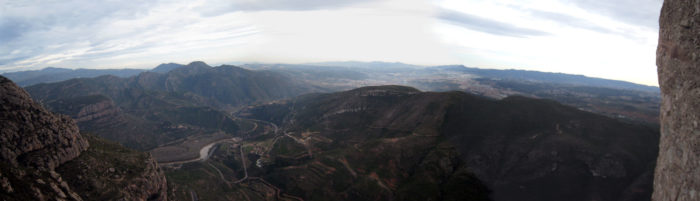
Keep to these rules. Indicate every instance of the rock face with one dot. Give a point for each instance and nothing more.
(97, 111)
(92, 109)
(36, 147)
(32, 136)
(33, 142)
(677, 58)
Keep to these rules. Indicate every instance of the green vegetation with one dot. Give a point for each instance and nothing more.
(288, 148)
(200, 178)
(105, 170)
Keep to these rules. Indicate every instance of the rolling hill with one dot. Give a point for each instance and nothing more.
(521, 148)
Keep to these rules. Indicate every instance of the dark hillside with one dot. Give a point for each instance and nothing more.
(522, 148)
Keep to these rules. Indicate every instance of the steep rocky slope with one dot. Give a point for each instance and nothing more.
(33, 143)
(93, 109)
(521, 148)
(31, 136)
(677, 58)
(36, 146)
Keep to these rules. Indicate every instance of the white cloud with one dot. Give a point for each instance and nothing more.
(375, 32)
(579, 41)
(123, 36)
(218, 7)
(611, 40)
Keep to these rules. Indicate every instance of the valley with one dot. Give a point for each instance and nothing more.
(229, 133)
(308, 154)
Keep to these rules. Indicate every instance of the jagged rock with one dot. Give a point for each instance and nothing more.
(32, 136)
(35, 144)
(677, 170)
(96, 111)
(88, 110)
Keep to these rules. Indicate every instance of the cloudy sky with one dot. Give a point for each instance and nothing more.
(609, 39)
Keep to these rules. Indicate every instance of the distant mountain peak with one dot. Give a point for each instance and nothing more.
(194, 67)
(198, 64)
(54, 68)
(166, 67)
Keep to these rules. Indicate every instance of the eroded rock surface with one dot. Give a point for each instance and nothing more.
(677, 58)
(32, 136)
(43, 156)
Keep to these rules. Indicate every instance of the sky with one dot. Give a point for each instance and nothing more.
(608, 39)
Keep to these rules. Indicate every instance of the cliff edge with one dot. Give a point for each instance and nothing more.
(30, 135)
(43, 156)
(677, 58)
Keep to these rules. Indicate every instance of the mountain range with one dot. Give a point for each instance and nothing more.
(52, 74)
(617, 99)
(163, 107)
(307, 132)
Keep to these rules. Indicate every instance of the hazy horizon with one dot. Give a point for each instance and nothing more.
(320, 64)
(595, 39)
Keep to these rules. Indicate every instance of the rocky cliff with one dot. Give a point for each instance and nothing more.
(37, 147)
(33, 142)
(91, 109)
(677, 170)
(32, 136)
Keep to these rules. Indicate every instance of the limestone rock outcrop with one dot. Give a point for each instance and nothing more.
(88, 111)
(43, 156)
(33, 142)
(32, 136)
(677, 58)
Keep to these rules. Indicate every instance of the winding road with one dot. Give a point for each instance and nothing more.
(204, 153)
(245, 169)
